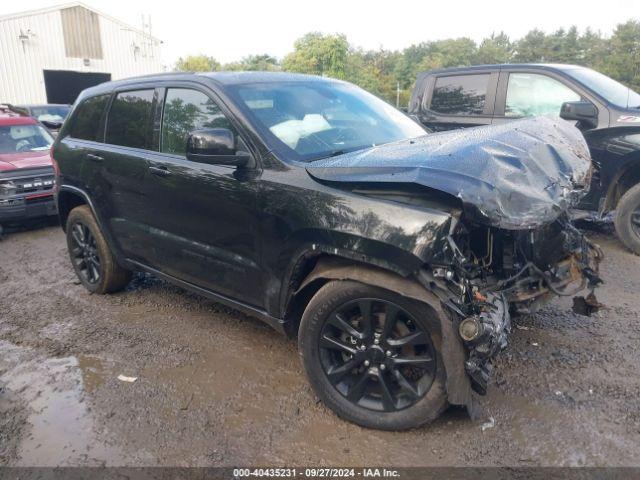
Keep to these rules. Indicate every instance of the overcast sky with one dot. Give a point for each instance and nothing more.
(231, 29)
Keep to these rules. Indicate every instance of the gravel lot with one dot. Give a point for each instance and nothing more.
(216, 388)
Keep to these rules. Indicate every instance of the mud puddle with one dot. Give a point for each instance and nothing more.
(57, 425)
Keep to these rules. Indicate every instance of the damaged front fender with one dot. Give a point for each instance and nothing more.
(458, 384)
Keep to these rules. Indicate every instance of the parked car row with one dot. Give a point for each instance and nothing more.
(395, 258)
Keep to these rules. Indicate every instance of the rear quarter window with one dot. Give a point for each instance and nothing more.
(86, 123)
(460, 94)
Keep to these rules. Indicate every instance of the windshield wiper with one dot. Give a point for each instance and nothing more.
(342, 151)
(335, 153)
(339, 151)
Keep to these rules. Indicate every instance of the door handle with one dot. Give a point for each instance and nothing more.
(160, 171)
(95, 158)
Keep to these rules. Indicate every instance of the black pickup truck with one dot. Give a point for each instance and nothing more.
(607, 113)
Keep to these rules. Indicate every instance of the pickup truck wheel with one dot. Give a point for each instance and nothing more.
(627, 220)
(373, 356)
(90, 255)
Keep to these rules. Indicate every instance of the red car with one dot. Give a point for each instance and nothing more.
(26, 170)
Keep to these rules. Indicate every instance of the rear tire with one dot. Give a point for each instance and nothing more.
(91, 257)
(627, 220)
(391, 384)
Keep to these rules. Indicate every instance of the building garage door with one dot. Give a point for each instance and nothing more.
(63, 86)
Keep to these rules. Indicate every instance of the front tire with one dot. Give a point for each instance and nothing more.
(373, 356)
(627, 220)
(91, 257)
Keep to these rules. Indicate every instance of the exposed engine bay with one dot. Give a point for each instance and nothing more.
(494, 274)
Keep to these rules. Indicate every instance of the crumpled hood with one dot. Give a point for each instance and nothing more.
(518, 175)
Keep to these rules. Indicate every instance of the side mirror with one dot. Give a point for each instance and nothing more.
(581, 111)
(51, 125)
(216, 146)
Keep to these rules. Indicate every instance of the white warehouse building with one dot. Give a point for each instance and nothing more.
(51, 55)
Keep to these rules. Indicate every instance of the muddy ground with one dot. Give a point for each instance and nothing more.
(215, 387)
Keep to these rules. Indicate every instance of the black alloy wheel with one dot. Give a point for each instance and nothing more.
(376, 355)
(84, 253)
(92, 259)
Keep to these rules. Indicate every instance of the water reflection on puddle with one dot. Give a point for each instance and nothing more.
(61, 430)
(93, 372)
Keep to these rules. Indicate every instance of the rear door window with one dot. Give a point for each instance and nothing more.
(460, 94)
(129, 122)
(186, 110)
(534, 94)
(87, 121)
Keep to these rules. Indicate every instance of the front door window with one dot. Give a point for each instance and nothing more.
(531, 94)
(186, 110)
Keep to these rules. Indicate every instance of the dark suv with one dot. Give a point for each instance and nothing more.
(395, 257)
(607, 112)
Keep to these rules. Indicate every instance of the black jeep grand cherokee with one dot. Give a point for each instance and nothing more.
(395, 257)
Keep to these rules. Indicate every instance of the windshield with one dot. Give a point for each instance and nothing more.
(24, 138)
(306, 121)
(606, 87)
(50, 113)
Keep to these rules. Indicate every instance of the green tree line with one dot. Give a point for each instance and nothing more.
(383, 72)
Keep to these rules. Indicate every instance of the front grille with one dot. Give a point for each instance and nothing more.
(34, 185)
(30, 181)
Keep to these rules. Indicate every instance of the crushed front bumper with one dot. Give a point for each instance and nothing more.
(531, 287)
(485, 335)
